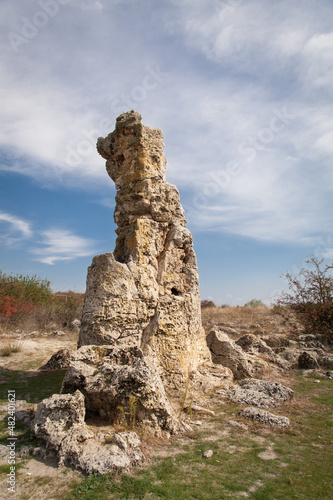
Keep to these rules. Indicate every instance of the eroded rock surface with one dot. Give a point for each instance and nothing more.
(146, 293)
(114, 378)
(260, 393)
(265, 417)
(59, 422)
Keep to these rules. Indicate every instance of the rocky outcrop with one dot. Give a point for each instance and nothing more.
(120, 383)
(146, 293)
(59, 422)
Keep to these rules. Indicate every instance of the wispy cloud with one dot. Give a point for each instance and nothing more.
(61, 245)
(13, 229)
(234, 65)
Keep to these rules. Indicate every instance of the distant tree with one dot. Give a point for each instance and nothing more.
(254, 303)
(311, 296)
(207, 303)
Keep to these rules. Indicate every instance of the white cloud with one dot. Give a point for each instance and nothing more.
(14, 229)
(62, 245)
(239, 63)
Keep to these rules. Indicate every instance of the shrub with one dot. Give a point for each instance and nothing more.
(25, 289)
(311, 296)
(28, 302)
(9, 348)
(254, 303)
(207, 303)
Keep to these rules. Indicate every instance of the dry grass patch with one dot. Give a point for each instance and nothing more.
(9, 347)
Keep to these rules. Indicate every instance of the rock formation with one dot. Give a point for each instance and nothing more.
(111, 378)
(146, 293)
(60, 423)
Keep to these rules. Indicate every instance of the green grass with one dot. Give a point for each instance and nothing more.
(302, 468)
(31, 386)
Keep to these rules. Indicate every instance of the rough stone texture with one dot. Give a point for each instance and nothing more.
(237, 424)
(59, 422)
(58, 361)
(255, 345)
(227, 353)
(264, 417)
(260, 393)
(109, 376)
(326, 362)
(56, 415)
(308, 360)
(146, 293)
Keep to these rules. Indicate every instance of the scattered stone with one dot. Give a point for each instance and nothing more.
(186, 426)
(146, 293)
(58, 333)
(308, 360)
(254, 345)
(326, 362)
(277, 391)
(24, 416)
(329, 374)
(237, 424)
(264, 417)
(202, 410)
(208, 454)
(58, 361)
(75, 325)
(40, 452)
(260, 393)
(197, 422)
(24, 451)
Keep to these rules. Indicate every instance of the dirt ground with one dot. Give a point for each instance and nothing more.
(41, 478)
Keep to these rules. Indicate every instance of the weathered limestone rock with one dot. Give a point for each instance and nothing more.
(265, 417)
(260, 393)
(58, 361)
(227, 353)
(59, 422)
(111, 378)
(146, 293)
(308, 360)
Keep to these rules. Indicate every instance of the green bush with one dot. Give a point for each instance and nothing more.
(25, 289)
(254, 303)
(28, 302)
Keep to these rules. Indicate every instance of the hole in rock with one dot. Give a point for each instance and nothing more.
(176, 292)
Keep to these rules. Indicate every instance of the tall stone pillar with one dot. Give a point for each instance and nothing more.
(146, 293)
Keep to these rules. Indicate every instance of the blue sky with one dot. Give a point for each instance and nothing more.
(242, 91)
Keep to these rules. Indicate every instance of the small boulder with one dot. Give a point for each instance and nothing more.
(260, 393)
(58, 361)
(227, 353)
(308, 360)
(264, 417)
(208, 454)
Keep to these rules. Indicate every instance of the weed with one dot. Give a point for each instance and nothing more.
(9, 348)
(132, 408)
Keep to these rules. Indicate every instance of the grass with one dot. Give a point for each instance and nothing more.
(302, 467)
(30, 386)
